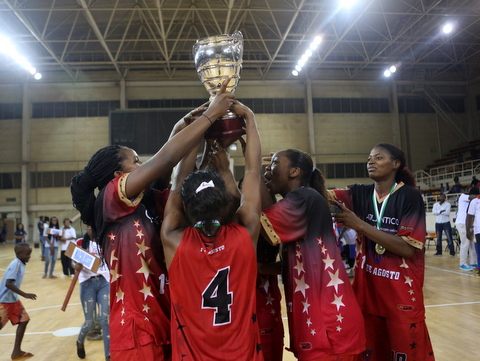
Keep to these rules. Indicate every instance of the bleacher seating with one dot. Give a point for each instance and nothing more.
(462, 153)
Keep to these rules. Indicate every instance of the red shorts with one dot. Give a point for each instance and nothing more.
(142, 353)
(15, 312)
(391, 340)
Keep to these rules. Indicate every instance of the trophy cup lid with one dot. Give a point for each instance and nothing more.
(236, 36)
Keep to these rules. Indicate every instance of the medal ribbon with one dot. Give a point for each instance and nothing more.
(382, 209)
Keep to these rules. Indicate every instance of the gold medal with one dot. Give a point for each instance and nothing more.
(379, 249)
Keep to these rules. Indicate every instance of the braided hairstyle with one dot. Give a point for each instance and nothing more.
(208, 204)
(96, 174)
(403, 173)
(310, 176)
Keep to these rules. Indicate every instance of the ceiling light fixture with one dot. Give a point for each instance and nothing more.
(7, 48)
(308, 53)
(347, 3)
(447, 28)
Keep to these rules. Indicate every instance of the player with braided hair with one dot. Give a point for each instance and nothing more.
(125, 220)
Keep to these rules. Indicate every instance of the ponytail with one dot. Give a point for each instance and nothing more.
(311, 177)
(403, 173)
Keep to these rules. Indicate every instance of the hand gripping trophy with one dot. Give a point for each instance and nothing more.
(217, 58)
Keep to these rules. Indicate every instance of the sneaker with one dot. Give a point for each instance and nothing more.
(80, 350)
(474, 265)
(452, 255)
(464, 267)
(437, 254)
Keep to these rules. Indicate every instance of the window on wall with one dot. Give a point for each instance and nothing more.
(57, 179)
(351, 105)
(343, 170)
(258, 105)
(73, 109)
(10, 180)
(143, 130)
(10, 111)
(421, 105)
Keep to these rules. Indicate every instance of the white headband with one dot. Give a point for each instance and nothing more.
(205, 185)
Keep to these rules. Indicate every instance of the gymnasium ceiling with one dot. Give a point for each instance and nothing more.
(75, 40)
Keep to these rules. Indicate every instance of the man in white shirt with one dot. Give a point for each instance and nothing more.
(473, 219)
(442, 224)
(467, 246)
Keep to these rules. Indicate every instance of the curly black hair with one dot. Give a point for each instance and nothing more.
(208, 204)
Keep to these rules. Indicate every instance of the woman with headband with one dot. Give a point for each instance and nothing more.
(211, 260)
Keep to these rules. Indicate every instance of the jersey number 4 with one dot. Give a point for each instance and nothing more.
(217, 296)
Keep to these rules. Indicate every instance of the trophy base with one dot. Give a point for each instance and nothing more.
(229, 126)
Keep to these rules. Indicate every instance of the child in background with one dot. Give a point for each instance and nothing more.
(10, 306)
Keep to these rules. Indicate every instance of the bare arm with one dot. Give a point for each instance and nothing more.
(219, 161)
(268, 198)
(12, 287)
(249, 211)
(392, 243)
(175, 221)
(469, 225)
(177, 147)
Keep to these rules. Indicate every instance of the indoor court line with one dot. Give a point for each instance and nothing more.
(454, 304)
(447, 270)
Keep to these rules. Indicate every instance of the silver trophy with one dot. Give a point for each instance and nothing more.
(217, 58)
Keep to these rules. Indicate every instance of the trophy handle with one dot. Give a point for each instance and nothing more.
(238, 38)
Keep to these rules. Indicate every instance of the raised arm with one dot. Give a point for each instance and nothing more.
(219, 161)
(248, 213)
(179, 145)
(175, 219)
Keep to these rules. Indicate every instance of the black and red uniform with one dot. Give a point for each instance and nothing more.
(323, 314)
(389, 288)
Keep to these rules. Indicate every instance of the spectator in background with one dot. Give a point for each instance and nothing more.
(41, 227)
(4, 232)
(442, 188)
(94, 289)
(473, 225)
(467, 247)
(19, 234)
(456, 186)
(68, 235)
(474, 182)
(442, 224)
(51, 246)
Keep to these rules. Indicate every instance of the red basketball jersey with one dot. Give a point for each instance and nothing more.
(212, 285)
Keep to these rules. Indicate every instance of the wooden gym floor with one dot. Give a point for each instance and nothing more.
(452, 298)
